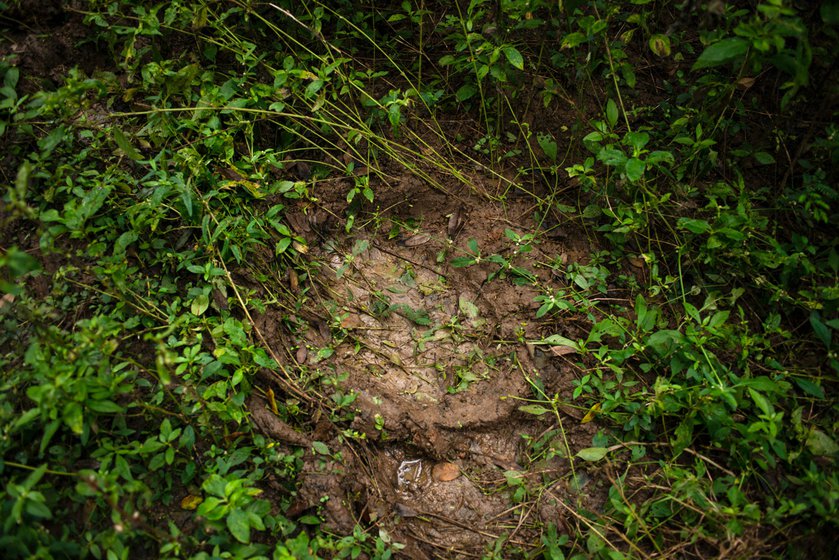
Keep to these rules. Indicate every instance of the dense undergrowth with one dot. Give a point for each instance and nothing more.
(695, 143)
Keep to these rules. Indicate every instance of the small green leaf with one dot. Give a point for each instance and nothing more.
(514, 57)
(559, 340)
(125, 145)
(105, 407)
(722, 52)
(200, 304)
(548, 145)
(660, 45)
(467, 307)
(534, 409)
(460, 262)
(592, 454)
(320, 447)
(611, 113)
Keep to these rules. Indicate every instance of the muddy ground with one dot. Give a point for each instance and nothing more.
(440, 360)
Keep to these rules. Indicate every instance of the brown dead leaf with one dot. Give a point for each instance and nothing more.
(302, 354)
(445, 472)
(562, 350)
(637, 262)
(417, 240)
(456, 222)
(298, 222)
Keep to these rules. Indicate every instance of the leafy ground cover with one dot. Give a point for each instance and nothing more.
(419, 279)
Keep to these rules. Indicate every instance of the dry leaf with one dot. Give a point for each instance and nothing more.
(590, 414)
(745, 83)
(302, 354)
(445, 472)
(191, 502)
(298, 222)
(637, 262)
(416, 240)
(293, 280)
(404, 511)
(562, 350)
(456, 222)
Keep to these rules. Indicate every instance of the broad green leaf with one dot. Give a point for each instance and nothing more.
(665, 341)
(810, 388)
(611, 157)
(239, 525)
(592, 454)
(718, 319)
(693, 225)
(628, 74)
(822, 331)
(465, 92)
(514, 57)
(637, 140)
(821, 444)
(762, 402)
(692, 311)
(635, 169)
(11, 77)
(722, 52)
(320, 447)
(573, 39)
(74, 417)
(37, 508)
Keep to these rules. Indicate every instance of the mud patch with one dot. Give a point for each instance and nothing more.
(439, 361)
